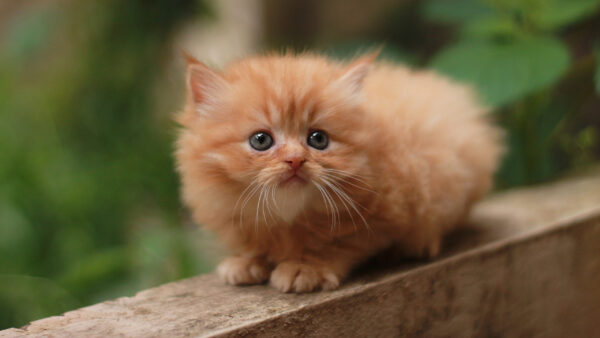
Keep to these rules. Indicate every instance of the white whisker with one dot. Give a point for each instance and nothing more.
(340, 197)
(258, 208)
(244, 192)
(345, 180)
(246, 200)
(345, 198)
(273, 198)
(329, 205)
(348, 175)
(268, 201)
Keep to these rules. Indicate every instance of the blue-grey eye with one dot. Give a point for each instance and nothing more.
(261, 141)
(318, 139)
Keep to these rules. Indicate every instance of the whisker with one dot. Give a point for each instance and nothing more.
(334, 206)
(273, 198)
(246, 200)
(327, 202)
(351, 202)
(346, 194)
(345, 180)
(257, 208)
(336, 211)
(263, 206)
(243, 193)
(346, 176)
(356, 177)
(341, 198)
(247, 190)
(336, 178)
(270, 190)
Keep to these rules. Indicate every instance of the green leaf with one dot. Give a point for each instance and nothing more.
(455, 11)
(490, 27)
(505, 72)
(554, 14)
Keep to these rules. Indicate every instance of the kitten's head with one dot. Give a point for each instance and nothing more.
(290, 125)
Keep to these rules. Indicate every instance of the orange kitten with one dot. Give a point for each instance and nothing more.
(306, 167)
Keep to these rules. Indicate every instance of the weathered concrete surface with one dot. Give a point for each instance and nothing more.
(528, 265)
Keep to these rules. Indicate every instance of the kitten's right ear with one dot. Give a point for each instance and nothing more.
(356, 72)
(203, 83)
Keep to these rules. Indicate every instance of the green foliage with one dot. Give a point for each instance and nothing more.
(507, 44)
(25, 298)
(538, 14)
(455, 11)
(511, 53)
(89, 206)
(555, 14)
(506, 71)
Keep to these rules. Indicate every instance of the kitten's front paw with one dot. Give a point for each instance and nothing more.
(237, 270)
(300, 277)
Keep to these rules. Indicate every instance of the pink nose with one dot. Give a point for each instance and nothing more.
(295, 162)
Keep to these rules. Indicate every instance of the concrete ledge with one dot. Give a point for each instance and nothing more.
(528, 264)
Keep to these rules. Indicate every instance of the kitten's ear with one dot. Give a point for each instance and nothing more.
(356, 72)
(203, 83)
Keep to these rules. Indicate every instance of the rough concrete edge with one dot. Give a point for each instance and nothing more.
(580, 219)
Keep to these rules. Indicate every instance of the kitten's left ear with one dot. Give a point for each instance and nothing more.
(356, 72)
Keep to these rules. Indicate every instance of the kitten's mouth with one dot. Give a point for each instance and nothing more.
(293, 180)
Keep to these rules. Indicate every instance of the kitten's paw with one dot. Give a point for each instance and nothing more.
(237, 270)
(300, 277)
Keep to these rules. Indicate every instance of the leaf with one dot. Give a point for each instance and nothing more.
(490, 27)
(455, 11)
(554, 14)
(505, 72)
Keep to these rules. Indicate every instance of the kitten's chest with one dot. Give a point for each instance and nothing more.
(288, 204)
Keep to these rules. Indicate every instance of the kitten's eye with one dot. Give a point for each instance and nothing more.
(261, 141)
(318, 140)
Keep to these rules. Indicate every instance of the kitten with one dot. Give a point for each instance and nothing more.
(306, 167)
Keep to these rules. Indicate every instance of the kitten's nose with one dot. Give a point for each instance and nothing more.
(295, 162)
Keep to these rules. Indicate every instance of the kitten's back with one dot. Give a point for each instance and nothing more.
(438, 129)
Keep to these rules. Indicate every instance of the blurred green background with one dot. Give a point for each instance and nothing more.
(89, 206)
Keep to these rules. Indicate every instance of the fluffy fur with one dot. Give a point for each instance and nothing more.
(409, 153)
